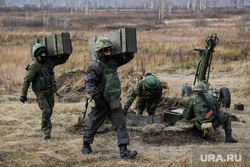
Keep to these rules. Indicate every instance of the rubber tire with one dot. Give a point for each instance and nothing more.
(186, 91)
(225, 97)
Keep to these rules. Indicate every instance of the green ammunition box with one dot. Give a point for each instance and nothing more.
(239, 106)
(123, 41)
(142, 120)
(173, 116)
(57, 44)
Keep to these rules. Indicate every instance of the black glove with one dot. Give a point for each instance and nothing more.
(23, 99)
(99, 103)
(125, 111)
(151, 111)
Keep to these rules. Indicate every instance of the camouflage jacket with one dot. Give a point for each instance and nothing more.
(95, 80)
(35, 70)
(197, 108)
(154, 96)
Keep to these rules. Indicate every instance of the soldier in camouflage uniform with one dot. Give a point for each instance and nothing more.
(149, 93)
(41, 74)
(198, 109)
(103, 87)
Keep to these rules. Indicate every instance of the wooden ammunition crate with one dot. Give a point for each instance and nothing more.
(123, 41)
(57, 44)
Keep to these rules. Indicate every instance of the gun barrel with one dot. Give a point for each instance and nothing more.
(199, 49)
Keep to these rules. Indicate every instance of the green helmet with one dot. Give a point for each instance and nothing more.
(199, 86)
(102, 43)
(37, 47)
(151, 82)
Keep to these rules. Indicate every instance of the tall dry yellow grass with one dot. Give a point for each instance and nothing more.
(160, 47)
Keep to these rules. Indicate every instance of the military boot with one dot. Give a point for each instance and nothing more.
(86, 148)
(125, 154)
(202, 135)
(229, 138)
(46, 136)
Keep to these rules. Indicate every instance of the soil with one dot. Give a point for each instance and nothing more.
(164, 144)
(182, 133)
(71, 86)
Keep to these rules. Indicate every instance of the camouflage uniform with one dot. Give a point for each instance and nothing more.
(148, 98)
(44, 86)
(198, 109)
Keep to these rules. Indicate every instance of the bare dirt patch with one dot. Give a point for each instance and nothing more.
(22, 142)
(72, 86)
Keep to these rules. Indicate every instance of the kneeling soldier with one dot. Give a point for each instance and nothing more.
(149, 93)
(198, 109)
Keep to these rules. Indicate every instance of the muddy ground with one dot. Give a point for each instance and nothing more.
(21, 142)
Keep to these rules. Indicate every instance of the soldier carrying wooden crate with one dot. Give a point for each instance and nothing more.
(41, 74)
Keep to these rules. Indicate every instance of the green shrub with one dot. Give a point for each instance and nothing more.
(189, 64)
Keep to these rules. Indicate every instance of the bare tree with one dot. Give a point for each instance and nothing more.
(65, 23)
(75, 4)
(86, 7)
(233, 3)
(203, 4)
(169, 7)
(46, 19)
(26, 17)
(188, 3)
(213, 3)
(94, 7)
(240, 3)
(40, 3)
(161, 11)
(116, 8)
(2, 3)
(193, 5)
(106, 4)
(144, 5)
(152, 4)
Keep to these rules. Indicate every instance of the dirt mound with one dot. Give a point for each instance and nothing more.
(71, 86)
(71, 89)
(80, 126)
(182, 133)
(168, 103)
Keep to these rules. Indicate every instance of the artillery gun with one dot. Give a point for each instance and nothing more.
(203, 71)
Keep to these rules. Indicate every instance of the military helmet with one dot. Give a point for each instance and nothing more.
(199, 86)
(38, 48)
(102, 43)
(151, 82)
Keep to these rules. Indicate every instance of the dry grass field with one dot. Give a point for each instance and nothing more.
(163, 49)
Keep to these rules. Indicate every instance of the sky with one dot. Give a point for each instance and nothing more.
(111, 3)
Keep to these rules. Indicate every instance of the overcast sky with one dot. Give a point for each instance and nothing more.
(101, 3)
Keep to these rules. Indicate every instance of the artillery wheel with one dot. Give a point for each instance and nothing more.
(225, 97)
(186, 91)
